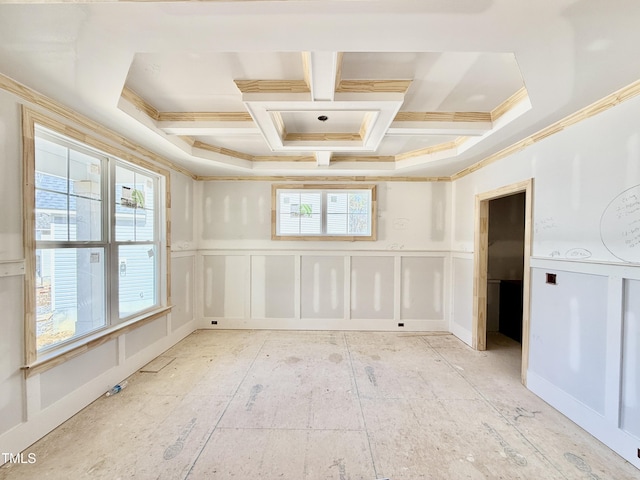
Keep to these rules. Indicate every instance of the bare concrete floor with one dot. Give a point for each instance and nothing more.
(324, 405)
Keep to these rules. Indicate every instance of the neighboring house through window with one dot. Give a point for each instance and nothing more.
(98, 244)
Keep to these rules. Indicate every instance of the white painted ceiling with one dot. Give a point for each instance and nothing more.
(457, 56)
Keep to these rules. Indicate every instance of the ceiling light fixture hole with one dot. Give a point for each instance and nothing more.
(323, 118)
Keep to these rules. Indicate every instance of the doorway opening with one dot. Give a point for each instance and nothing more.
(501, 267)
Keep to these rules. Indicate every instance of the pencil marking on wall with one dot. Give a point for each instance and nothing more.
(372, 375)
(544, 224)
(377, 291)
(334, 289)
(255, 390)
(401, 223)
(316, 287)
(176, 447)
(406, 288)
(581, 465)
(577, 253)
(512, 455)
(620, 226)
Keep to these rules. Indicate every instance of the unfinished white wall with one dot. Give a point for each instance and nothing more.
(31, 407)
(585, 209)
(411, 216)
(183, 252)
(11, 268)
(183, 225)
(251, 281)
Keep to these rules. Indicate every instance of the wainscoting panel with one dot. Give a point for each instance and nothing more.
(312, 290)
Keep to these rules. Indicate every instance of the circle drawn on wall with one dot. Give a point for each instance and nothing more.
(620, 226)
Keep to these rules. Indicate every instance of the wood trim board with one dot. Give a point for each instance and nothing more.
(30, 118)
(480, 267)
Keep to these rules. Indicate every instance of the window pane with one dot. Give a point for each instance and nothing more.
(68, 192)
(134, 206)
(125, 205)
(359, 202)
(310, 203)
(51, 165)
(144, 225)
(145, 211)
(311, 224)
(337, 202)
(53, 183)
(85, 202)
(336, 223)
(289, 209)
(359, 224)
(348, 213)
(86, 219)
(145, 185)
(137, 278)
(84, 175)
(70, 298)
(288, 225)
(300, 213)
(337, 213)
(51, 216)
(359, 213)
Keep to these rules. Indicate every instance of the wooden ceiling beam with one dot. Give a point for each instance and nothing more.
(322, 137)
(373, 86)
(272, 86)
(204, 117)
(443, 117)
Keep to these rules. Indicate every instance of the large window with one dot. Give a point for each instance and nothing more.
(337, 212)
(97, 240)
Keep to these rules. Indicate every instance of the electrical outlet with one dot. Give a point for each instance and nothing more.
(639, 453)
(551, 279)
(401, 324)
(214, 322)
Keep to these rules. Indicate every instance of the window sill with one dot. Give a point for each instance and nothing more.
(322, 238)
(63, 354)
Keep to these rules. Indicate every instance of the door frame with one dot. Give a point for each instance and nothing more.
(480, 265)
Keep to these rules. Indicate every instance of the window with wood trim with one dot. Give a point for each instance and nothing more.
(323, 212)
(97, 241)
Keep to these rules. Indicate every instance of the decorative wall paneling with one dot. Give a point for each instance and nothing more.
(462, 297)
(585, 347)
(314, 290)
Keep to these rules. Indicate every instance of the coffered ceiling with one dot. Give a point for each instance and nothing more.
(350, 87)
(386, 110)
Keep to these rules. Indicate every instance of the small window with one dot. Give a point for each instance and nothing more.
(335, 212)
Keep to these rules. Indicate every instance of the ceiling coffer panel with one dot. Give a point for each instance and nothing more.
(335, 107)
